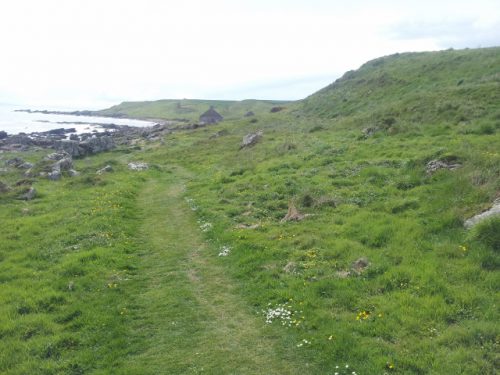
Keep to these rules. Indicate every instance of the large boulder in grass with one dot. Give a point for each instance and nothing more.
(70, 147)
(15, 162)
(64, 164)
(3, 188)
(359, 265)
(251, 139)
(95, 145)
(437, 164)
(293, 214)
(29, 194)
(138, 166)
(91, 145)
(108, 168)
(54, 175)
(491, 212)
(56, 156)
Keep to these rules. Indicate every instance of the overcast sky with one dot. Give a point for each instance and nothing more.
(92, 53)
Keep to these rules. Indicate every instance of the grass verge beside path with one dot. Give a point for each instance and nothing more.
(189, 317)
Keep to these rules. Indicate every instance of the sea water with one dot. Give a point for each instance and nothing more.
(14, 122)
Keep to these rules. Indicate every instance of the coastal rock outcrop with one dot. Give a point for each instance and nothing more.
(19, 139)
(70, 147)
(95, 145)
(91, 145)
(63, 163)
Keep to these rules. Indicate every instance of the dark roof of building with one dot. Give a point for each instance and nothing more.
(211, 116)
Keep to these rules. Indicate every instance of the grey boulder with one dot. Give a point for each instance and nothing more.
(493, 211)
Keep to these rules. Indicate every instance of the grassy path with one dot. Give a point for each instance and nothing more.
(190, 318)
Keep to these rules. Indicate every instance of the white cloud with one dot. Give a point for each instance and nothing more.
(93, 52)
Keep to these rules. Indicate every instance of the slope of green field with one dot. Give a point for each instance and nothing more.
(188, 267)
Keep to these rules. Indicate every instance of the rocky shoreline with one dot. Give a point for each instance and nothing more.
(67, 139)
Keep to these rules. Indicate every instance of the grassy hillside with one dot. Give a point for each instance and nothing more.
(450, 87)
(188, 268)
(189, 109)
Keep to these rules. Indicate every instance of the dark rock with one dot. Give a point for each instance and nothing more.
(64, 164)
(19, 139)
(54, 175)
(56, 156)
(3, 134)
(59, 131)
(29, 195)
(26, 165)
(14, 162)
(249, 114)
(251, 139)
(3, 187)
(277, 109)
(293, 214)
(360, 265)
(368, 132)
(70, 147)
(91, 145)
(74, 137)
(95, 145)
(43, 142)
(25, 181)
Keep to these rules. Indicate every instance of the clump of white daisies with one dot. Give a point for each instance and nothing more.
(281, 312)
(224, 251)
(191, 203)
(205, 226)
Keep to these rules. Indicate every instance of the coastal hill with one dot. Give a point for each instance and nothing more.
(188, 109)
(356, 231)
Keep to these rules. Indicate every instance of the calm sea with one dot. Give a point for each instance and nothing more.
(21, 122)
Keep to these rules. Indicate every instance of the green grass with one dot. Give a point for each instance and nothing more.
(121, 273)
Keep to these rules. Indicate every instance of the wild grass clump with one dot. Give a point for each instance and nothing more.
(487, 233)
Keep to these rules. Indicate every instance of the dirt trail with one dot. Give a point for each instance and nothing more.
(193, 321)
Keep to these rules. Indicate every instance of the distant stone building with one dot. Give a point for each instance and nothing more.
(210, 117)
